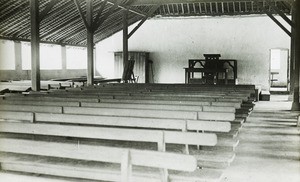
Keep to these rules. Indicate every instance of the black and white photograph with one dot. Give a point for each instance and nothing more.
(149, 90)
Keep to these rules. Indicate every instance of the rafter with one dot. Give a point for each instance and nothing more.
(277, 22)
(81, 14)
(153, 9)
(48, 8)
(101, 20)
(289, 21)
(100, 11)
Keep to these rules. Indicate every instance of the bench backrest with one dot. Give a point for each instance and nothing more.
(105, 133)
(125, 157)
(154, 123)
(148, 113)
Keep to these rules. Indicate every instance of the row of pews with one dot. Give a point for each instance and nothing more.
(124, 132)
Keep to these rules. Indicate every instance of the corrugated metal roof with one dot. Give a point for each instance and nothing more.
(63, 24)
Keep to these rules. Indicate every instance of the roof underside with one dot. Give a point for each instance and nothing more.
(63, 24)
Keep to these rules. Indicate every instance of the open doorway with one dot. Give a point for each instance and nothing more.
(279, 70)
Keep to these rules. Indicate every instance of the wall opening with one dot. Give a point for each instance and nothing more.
(279, 69)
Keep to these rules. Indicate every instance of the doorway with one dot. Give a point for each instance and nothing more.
(279, 70)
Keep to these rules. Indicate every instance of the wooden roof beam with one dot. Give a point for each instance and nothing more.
(81, 14)
(99, 22)
(153, 9)
(48, 8)
(154, 2)
(127, 7)
(283, 16)
(43, 42)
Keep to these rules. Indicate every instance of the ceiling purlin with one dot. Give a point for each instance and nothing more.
(66, 18)
(10, 15)
(11, 25)
(10, 10)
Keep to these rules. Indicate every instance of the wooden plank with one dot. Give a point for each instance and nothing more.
(100, 153)
(56, 99)
(143, 106)
(218, 109)
(134, 122)
(93, 171)
(39, 103)
(82, 132)
(190, 138)
(208, 126)
(111, 121)
(137, 101)
(131, 113)
(219, 116)
(29, 108)
(21, 116)
(141, 135)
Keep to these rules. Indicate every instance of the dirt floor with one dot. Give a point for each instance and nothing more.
(269, 148)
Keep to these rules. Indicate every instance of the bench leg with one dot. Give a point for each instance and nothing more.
(126, 167)
(164, 175)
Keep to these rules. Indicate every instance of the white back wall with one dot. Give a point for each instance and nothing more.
(172, 41)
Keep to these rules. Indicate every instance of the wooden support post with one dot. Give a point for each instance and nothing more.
(292, 53)
(18, 59)
(64, 58)
(125, 40)
(296, 104)
(90, 42)
(35, 45)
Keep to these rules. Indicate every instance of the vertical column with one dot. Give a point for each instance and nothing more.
(125, 39)
(296, 105)
(90, 43)
(292, 53)
(18, 59)
(64, 58)
(35, 45)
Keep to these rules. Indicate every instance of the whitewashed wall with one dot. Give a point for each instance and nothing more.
(172, 42)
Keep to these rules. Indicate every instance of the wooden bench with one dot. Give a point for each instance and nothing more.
(149, 113)
(124, 157)
(221, 160)
(122, 105)
(107, 133)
